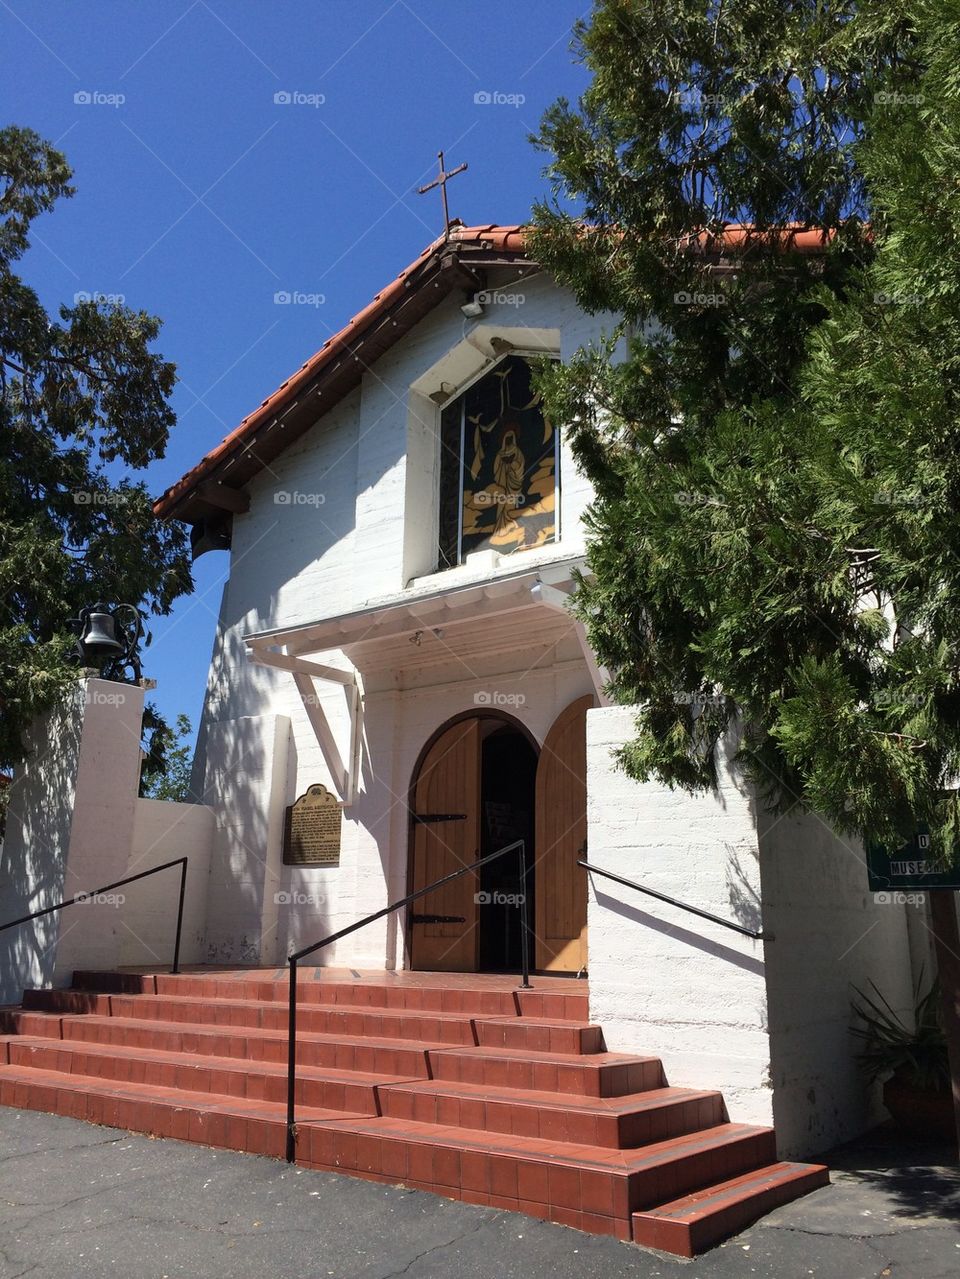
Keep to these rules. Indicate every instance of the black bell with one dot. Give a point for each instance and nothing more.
(98, 640)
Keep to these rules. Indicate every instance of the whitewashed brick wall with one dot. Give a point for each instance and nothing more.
(76, 825)
(768, 1023)
(832, 935)
(663, 981)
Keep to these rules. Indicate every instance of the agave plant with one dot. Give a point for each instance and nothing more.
(917, 1053)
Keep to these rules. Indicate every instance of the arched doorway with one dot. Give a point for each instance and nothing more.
(480, 784)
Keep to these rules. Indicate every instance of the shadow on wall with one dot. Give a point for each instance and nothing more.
(246, 784)
(33, 857)
(745, 904)
(831, 936)
(696, 941)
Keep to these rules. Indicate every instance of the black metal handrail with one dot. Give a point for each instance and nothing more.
(100, 892)
(362, 923)
(672, 901)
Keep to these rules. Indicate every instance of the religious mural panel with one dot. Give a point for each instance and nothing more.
(498, 474)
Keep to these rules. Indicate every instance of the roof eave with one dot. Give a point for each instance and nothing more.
(217, 481)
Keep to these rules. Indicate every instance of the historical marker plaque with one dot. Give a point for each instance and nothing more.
(311, 829)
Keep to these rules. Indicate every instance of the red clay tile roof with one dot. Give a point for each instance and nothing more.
(476, 244)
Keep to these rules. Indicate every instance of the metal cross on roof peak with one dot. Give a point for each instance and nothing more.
(441, 181)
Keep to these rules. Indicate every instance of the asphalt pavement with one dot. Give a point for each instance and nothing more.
(77, 1201)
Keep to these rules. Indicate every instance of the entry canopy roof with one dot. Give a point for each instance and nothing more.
(515, 611)
(517, 618)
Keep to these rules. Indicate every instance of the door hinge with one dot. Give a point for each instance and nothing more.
(425, 819)
(437, 919)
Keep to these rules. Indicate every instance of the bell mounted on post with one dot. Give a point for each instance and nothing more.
(108, 641)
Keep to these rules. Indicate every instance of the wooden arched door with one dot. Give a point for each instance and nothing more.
(561, 898)
(446, 835)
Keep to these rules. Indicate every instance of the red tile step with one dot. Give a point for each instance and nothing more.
(344, 1052)
(432, 1027)
(275, 990)
(580, 1186)
(115, 983)
(541, 1035)
(326, 1088)
(320, 985)
(590, 1075)
(456, 1083)
(538, 1003)
(234, 1123)
(14, 1021)
(66, 1001)
(616, 1123)
(697, 1221)
(556, 1035)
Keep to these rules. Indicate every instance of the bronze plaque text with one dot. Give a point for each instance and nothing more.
(311, 830)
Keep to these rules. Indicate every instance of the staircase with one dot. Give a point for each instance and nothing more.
(457, 1084)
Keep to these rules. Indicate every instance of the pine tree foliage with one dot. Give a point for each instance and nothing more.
(772, 433)
(83, 405)
(168, 758)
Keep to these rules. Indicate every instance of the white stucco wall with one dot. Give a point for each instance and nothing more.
(34, 855)
(163, 831)
(662, 981)
(768, 1022)
(832, 934)
(70, 830)
(75, 825)
(246, 786)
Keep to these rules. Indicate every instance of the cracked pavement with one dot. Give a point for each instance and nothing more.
(77, 1200)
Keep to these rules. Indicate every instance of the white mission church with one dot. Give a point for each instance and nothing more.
(397, 688)
(403, 527)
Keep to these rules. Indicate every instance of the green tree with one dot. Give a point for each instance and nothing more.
(166, 768)
(772, 433)
(83, 402)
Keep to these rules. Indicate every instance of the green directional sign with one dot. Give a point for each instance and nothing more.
(910, 867)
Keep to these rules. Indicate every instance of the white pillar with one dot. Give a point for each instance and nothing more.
(246, 786)
(70, 830)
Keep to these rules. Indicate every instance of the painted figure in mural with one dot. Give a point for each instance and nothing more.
(509, 476)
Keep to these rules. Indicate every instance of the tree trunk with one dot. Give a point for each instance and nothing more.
(946, 937)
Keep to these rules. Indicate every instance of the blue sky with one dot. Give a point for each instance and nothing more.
(200, 196)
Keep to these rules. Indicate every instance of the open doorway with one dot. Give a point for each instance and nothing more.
(508, 777)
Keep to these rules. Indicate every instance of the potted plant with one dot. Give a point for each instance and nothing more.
(911, 1060)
